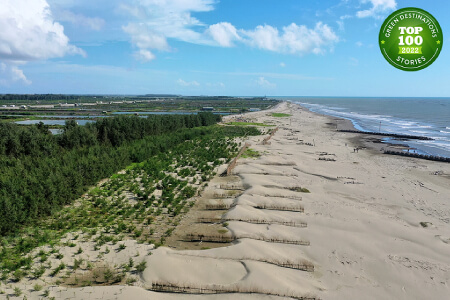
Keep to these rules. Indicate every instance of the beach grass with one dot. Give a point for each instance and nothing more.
(250, 153)
(249, 124)
(280, 115)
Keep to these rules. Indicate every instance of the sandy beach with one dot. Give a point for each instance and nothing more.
(313, 220)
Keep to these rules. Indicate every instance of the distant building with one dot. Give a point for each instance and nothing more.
(208, 108)
(254, 109)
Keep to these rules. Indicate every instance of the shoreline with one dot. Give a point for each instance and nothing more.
(384, 142)
(408, 145)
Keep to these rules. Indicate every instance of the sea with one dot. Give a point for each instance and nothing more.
(428, 117)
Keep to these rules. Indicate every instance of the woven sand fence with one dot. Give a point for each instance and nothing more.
(232, 165)
(266, 140)
(253, 221)
(184, 288)
(211, 238)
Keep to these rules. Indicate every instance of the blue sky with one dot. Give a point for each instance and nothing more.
(210, 47)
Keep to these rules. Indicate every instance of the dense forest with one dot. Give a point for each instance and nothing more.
(41, 172)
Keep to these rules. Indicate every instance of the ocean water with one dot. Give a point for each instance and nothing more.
(428, 117)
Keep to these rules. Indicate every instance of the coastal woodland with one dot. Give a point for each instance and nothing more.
(41, 172)
(49, 185)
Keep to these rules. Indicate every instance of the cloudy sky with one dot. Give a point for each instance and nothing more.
(209, 47)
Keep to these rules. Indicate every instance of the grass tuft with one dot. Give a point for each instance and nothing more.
(250, 153)
(280, 115)
(249, 124)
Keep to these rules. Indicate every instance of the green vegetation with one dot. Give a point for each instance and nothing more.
(141, 267)
(59, 268)
(17, 291)
(76, 264)
(280, 115)
(128, 204)
(249, 124)
(250, 153)
(98, 104)
(300, 190)
(40, 172)
(424, 224)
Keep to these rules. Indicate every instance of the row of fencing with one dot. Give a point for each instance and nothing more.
(234, 161)
(266, 140)
(417, 155)
(396, 135)
(222, 289)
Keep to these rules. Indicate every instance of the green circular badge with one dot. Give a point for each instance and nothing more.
(410, 39)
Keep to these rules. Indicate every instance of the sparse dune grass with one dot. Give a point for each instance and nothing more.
(280, 115)
(250, 153)
(249, 124)
(299, 189)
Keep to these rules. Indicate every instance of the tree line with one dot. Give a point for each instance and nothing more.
(42, 97)
(40, 172)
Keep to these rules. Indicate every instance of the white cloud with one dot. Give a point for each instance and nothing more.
(341, 22)
(264, 37)
(158, 21)
(144, 55)
(282, 64)
(223, 33)
(144, 38)
(10, 73)
(80, 20)
(359, 44)
(28, 33)
(294, 39)
(378, 7)
(261, 81)
(185, 83)
(345, 17)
